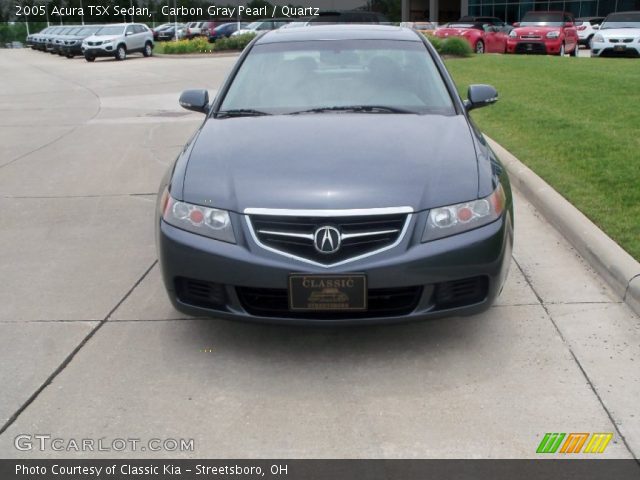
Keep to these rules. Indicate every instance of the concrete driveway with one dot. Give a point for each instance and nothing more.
(91, 348)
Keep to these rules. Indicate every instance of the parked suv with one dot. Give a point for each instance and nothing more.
(551, 33)
(59, 40)
(72, 45)
(587, 27)
(118, 41)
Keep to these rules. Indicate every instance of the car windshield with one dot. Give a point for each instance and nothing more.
(288, 77)
(254, 25)
(621, 20)
(86, 31)
(111, 30)
(542, 19)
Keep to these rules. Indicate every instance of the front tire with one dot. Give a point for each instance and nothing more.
(148, 50)
(576, 50)
(121, 53)
(562, 51)
(90, 58)
(479, 48)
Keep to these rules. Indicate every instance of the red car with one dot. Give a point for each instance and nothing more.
(551, 33)
(482, 37)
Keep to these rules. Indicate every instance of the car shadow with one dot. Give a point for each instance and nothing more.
(353, 345)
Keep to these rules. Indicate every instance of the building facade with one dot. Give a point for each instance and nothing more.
(508, 10)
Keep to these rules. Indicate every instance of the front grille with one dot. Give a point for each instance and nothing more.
(200, 293)
(531, 47)
(531, 37)
(460, 293)
(359, 235)
(383, 302)
(627, 52)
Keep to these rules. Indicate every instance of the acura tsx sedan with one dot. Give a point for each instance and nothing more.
(337, 179)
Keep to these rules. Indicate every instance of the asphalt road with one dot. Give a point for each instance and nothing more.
(91, 348)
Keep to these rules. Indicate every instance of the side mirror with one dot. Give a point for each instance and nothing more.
(480, 96)
(516, 24)
(128, 33)
(196, 100)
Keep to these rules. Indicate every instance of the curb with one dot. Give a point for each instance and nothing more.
(619, 269)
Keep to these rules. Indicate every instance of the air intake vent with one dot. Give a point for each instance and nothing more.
(460, 293)
(201, 294)
(385, 302)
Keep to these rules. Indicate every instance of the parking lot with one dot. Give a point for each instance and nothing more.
(91, 347)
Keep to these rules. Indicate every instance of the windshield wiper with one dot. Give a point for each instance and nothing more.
(355, 109)
(240, 112)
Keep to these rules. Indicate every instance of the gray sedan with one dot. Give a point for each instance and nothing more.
(337, 179)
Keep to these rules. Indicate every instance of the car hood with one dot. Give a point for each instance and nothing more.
(447, 32)
(620, 32)
(101, 38)
(332, 161)
(536, 30)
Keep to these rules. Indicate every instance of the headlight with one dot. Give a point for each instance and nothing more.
(210, 222)
(598, 38)
(554, 34)
(446, 221)
(513, 34)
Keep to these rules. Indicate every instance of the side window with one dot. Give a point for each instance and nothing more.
(129, 30)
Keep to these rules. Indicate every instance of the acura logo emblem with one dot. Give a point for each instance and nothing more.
(327, 239)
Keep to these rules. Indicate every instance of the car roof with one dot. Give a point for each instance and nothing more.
(340, 32)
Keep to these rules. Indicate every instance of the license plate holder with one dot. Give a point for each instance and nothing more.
(326, 293)
(620, 48)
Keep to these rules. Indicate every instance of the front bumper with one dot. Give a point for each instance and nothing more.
(482, 255)
(607, 49)
(72, 49)
(542, 46)
(99, 51)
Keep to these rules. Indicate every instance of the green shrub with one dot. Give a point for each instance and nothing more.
(233, 43)
(436, 42)
(202, 45)
(456, 47)
(197, 45)
(452, 46)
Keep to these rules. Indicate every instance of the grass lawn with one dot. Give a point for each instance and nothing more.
(576, 123)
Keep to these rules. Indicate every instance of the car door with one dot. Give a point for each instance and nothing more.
(130, 38)
(489, 38)
(499, 36)
(570, 33)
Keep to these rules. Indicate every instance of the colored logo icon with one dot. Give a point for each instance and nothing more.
(574, 443)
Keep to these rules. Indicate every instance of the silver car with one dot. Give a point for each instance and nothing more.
(118, 41)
